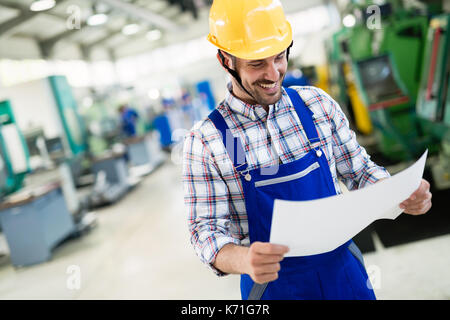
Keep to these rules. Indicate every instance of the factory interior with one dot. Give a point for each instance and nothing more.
(96, 98)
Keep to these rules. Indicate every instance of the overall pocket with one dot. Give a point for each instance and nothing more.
(287, 178)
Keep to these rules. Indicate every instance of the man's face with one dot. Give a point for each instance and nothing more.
(262, 78)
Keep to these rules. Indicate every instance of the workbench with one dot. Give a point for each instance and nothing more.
(114, 165)
(115, 182)
(144, 151)
(34, 222)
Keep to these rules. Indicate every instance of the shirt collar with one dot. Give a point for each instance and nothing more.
(253, 112)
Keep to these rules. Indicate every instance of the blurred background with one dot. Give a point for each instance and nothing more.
(96, 96)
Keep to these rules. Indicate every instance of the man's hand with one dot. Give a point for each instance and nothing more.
(263, 261)
(420, 201)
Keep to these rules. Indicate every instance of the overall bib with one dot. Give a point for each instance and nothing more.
(338, 274)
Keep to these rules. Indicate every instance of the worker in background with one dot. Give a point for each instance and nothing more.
(302, 133)
(295, 77)
(188, 109)
(129, 118)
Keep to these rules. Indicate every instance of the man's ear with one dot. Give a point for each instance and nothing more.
(224, 60)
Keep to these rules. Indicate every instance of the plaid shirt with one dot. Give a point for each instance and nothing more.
(213, 192)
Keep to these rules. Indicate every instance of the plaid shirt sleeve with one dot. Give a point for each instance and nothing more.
(206, 197)
(353, 164)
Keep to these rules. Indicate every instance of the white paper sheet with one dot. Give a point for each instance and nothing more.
(318, 226)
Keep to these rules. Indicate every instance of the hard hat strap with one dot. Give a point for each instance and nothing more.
(288, 50)
(236, 75)
(233, 73)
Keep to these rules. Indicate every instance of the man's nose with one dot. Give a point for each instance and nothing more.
(271, 72)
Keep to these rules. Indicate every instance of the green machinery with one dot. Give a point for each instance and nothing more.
(102, 126)
(75, 133)
(102, 121)
(49, 104)
(385, 52)
(433, 102)
(14, 160)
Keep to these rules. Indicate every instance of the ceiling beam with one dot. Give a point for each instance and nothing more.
(7, 27)
(25, 14)
(144, 14)
(47, 45)
(23, 8)
(13, 5)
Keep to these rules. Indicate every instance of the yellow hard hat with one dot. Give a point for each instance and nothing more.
(249, 29)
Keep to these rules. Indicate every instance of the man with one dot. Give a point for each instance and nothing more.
(265, 142)
(129, 118)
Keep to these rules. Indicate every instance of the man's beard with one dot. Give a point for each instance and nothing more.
(261, 97)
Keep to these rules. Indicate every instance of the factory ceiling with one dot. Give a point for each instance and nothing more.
(119, 27)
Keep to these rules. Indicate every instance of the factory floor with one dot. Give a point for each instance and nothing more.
(140, 250)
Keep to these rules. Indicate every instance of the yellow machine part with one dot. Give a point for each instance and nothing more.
(360, 111)
(322, 78)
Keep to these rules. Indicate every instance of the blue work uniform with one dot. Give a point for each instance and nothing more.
(337, 274)
(129, 119)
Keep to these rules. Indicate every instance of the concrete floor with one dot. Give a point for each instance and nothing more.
(141, 250)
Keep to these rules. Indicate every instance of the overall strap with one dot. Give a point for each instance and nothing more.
(305, 115)
(232, 144)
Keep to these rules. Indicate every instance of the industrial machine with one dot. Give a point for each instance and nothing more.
(48, 104)
(47, 111)
(14, 160)
(75, 133)
(102, 125)
(34, 219)
(376, 70)
(389, 71)
(342, 83)
(433, 102)
(54, 109)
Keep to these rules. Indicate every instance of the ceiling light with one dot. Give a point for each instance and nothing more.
(130, 29)
(153, 35)
(349, 20)
(153, 94)
(41, 5)
(97, 19)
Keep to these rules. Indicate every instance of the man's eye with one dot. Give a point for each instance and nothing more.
(256, 65)
(281, 56)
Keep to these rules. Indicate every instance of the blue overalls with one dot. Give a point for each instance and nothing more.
(337, 274)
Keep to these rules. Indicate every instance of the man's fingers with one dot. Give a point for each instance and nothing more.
(410, 204)
(423, 188)
(267, 268)
(267, 258)
(264, 261)
(269, 248)
(263, 278)
(421, 206)
(420, 210)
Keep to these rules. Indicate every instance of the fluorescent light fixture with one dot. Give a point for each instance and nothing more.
(41, 5)
(97, 19)
(130, 29)
(153, 94)
(154, 35)
(349, 20)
